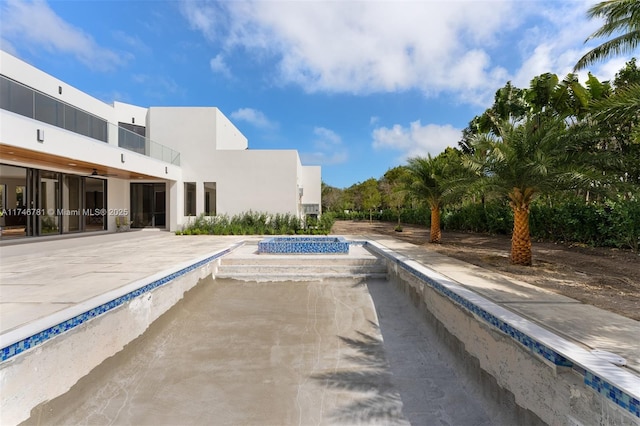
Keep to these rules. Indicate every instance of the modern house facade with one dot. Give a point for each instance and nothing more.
(72, 163)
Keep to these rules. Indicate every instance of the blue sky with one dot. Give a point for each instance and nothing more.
(355, 86)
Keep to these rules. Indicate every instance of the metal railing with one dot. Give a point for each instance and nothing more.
(145, 146)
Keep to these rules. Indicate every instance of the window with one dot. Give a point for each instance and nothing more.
(49, 110)
(25, 101)
(189, 199)
(16, 98)
(210, 198)
(98, 129)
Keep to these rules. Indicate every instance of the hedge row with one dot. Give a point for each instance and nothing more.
(613, 223)
(253, 223)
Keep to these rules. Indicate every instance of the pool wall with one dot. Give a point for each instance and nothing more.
(543, 377)
(304, 245)
(42, 360)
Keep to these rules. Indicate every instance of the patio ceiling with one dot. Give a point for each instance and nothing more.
(70, 165)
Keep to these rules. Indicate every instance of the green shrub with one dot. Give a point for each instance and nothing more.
(256, 223)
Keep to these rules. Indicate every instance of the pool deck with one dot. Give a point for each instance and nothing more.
(42, 278)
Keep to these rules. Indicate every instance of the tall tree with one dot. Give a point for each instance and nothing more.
(370, 196)
(331, 198)
(431, 182)
(622, 17)
(522, 161)
(393, 189)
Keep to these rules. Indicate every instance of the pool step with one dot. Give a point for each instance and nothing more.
(274, 268)
(307, 260)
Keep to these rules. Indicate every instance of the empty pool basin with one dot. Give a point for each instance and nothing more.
(304, 245)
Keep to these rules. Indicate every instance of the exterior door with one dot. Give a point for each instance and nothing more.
(148, 205)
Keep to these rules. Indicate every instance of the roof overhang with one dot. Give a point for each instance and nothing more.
(29, 158)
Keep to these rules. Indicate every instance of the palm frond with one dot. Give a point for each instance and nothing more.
(623, 105)
(621, 16)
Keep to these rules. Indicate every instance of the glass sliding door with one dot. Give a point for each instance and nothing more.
(95, 201)
(49, 202)
(13, 184)
(41, 202)
(148, 205)
(71, 203)
(159, 205)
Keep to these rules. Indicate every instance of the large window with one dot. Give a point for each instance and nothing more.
(49, 110)
(23, 100)
(189, 199)
(16, 98)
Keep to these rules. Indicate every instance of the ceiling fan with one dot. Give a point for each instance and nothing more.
(95, 173)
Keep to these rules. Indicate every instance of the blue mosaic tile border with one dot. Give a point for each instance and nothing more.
(613, 393)
(606, 389)
(41, 337)
(304, 245)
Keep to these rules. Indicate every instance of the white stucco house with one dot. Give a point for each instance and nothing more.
(72, 163)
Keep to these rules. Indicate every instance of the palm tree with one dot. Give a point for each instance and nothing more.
(430, 180)
(522, 161)
(621, 17)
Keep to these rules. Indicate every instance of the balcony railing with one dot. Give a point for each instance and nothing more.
(145, 146)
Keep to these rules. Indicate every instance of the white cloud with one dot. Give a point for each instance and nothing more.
(323, 158)
(32, 23)
(326, 137)
(328, 148)
(363, 47)
(219, 65)
(464, 49)
(416, 140)
(254, 117)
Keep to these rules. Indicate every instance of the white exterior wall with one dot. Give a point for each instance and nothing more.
(131, 114)
(212, 149)
(312, 184)
(261, 180)
(227, 135)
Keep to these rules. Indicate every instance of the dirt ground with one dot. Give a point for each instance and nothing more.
(606, 278)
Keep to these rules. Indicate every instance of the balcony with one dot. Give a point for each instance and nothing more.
(145, 146)
(30, 103)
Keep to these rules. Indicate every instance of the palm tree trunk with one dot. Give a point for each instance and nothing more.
(435, 225)
(521, 239)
